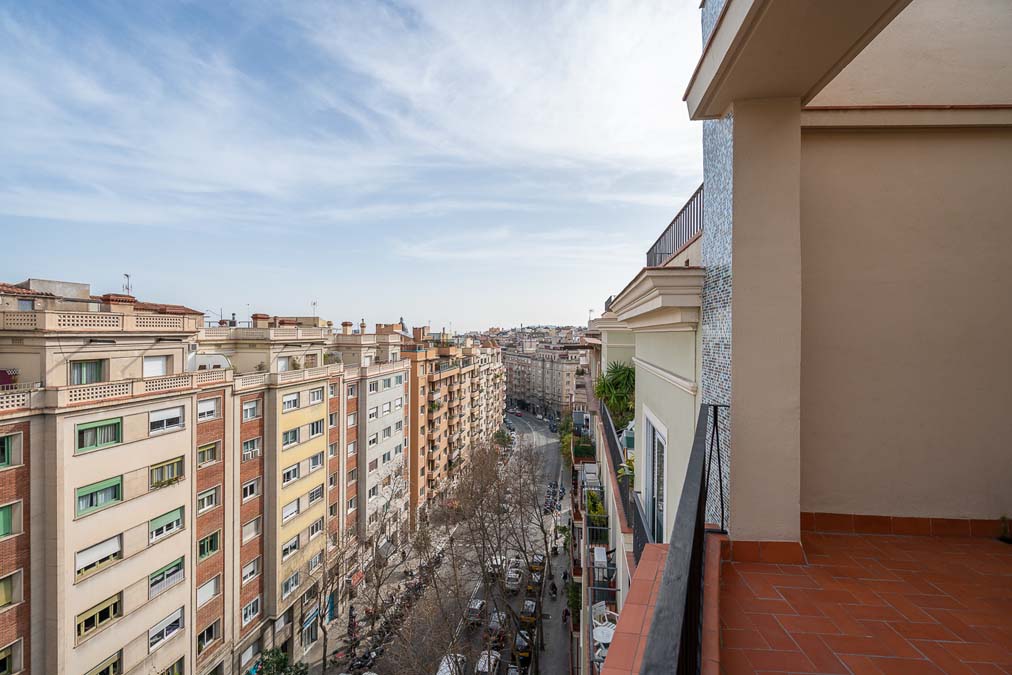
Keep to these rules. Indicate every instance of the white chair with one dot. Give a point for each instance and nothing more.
(602, 616)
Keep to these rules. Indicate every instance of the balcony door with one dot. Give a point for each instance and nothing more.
(656, 445)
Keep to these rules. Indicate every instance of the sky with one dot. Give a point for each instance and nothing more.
(463, 164)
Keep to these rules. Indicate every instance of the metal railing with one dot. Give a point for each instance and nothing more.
(679, 608)
(635, 514)
(683, 227)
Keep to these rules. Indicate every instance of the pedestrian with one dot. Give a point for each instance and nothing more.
(565, 576)
(565, 615)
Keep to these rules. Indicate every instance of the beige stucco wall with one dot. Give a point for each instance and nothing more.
(905, 348)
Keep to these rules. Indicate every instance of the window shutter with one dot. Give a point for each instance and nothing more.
(161, 521)
(100, 550)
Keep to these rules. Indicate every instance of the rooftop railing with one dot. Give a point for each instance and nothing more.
(682, 228)
(674, 644)
(630, 501)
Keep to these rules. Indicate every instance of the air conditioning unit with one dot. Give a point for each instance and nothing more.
(193, 346)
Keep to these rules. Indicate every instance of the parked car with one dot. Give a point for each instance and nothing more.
(495, 564)
(495, 631)
(518, 413)
(488, 663)
(514, 580)
(522, 647)
(534, 584)
(453, 664)
(513, 669)
(537, 562)
(475, 615)
(529, 612)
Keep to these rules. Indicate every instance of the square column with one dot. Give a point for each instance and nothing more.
(766, 332)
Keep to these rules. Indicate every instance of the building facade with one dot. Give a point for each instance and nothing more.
(542, 380)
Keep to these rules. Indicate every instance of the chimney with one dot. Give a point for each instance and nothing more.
(346, 327)
(260, 320)
(361, 327)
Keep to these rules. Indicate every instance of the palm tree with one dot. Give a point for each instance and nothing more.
(617, 388)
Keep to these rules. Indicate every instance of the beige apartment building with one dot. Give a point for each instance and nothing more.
(542, 379)
(185, 487)
(458, 397)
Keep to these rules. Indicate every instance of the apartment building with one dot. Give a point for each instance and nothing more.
(457, 400)
(542, 379)
(786, 342)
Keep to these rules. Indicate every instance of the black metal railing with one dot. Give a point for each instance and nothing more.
(675, 640)
(635, 516)
(682, 228)
(641, 533)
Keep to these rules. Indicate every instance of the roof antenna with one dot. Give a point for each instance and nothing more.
(126, 284)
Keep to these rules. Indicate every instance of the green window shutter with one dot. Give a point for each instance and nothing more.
(6, 520)
(101, 485)
(94, 435)
(6, 450)
(174, 563)
(176, 514)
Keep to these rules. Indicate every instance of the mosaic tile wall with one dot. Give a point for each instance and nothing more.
(716, 254)
(711, 10)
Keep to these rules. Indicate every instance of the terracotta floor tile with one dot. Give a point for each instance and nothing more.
(860, 665)
(988, 669)
(808, 624)
(778, 661)
(821, 656)
(923, 631)
(734, 662)
(906, 666)
(942, 658)
(773, 632)
(980, 652)
(744, 639)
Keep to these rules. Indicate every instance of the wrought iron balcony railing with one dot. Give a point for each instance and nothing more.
(682, 228)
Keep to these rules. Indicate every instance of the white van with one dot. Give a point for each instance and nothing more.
(453, 664)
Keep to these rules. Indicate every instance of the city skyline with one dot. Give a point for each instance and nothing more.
(484, 158)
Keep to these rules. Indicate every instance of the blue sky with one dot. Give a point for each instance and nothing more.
(466, 163)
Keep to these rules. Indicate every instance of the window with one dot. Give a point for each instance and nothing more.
(398, 448)
(399, 379)
(253, 650)
(315, 396)
(332, 420)
(316, 528)
(352, 391)
(352, 504)
(87, 372)
(207, 453)
(332, 450)
(387, 433)
(10, 588)
(386, 383)
(168, 576)
(290, 474)
(165, 629)
(316, 461)
(164, 525)
(251, 610)
(289, 548)
(208, 590)
(209, 545)
(25, 305)
(284, 363)
(316, 428)
(374, 386)
(373, 465)
(315, 562)
(251, 529)
(332, 391)
(386, 408)
(332, 480)
(374, 491)
(6, 450)
(373, 440)
(352, 476)
(352, 448)
(290, 510)
(165, 420)
(290, 437)
(352, 419)
(207, 500)
(250, 570)
(373, 413)
(250, 489)
(387, 456)
(207, 409)
(166, 473)
(207, 636)
(250, 410)
(250, 449)
(99, 495)
(99, 616)
(98, 556)
(399, 425)
(316, 494)
(332, 510)
(111, 666)
(289, 585)
(156, 366)
(94, 435)
(399, 403)
(289, 402)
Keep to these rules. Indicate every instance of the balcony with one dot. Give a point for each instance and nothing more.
(97, 322)
(215, 333)
(682, 229)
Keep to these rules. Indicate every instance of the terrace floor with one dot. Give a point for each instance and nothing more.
(871, 604)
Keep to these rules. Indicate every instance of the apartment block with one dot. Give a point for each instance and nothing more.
(542, 379)
(457, 400)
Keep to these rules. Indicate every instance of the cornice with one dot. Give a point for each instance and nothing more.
(686, 385)
(661, 298)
